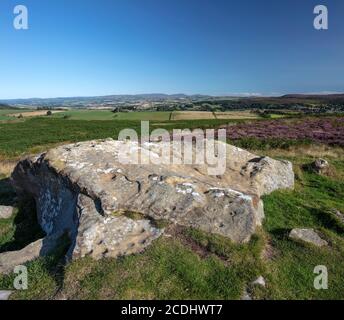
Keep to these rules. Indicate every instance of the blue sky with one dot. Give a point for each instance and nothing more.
(100, 47)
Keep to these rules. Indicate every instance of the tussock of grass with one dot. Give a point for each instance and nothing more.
(167, 270)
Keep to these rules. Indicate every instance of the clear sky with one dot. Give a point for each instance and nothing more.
(100, 47)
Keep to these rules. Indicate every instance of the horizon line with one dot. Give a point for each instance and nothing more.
(234, 95)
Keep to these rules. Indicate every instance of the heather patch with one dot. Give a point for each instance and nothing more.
(287, 132)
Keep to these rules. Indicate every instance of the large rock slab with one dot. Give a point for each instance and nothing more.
(84, 190)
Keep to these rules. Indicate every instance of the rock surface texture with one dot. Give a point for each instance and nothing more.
(84, 190)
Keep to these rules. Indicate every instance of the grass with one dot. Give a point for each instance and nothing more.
(20, 137)
(236, 115)
(144, 116)
(189, 264)
(6, 114)
(228, 115)
(153, 115)
(36, 134)
(192, 115)
(109, 115)
(22, 228)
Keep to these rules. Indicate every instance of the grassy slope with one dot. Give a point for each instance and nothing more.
(192, 264)
(20, 137)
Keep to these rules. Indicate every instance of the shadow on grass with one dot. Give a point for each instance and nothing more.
(281, 233)
(25, 224)
(327, 220)
(7, 193)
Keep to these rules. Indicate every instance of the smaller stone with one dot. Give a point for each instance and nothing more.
(246, 296)
(5, 295)
(259, 281)
(320, 166)
(338, 215)
(9, 260)
(307, 235)
(6, 212)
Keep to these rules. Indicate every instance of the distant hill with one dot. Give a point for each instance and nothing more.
(4, 106)
(84, 101)
(331, 98)
(166, 102)
(314, 96)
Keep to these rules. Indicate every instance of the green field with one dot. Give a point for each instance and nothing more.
(109, 115)
(33, 134)
(5, 114)
(156, 115)
(144, 116)
(190, 264)
(162, 116)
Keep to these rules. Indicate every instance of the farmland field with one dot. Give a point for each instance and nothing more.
(192, 115)
(153, 115)
(163, 116)
(34, 113)
(9, 114)
(236, 115)
(109, 115)
(229, 115)
(144, 116)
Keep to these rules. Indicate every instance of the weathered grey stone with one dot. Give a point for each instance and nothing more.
(83, 189)
(309, 236)
(6, 212)
(5, 294)
(100, 236)
(320, 166)
(259, 281)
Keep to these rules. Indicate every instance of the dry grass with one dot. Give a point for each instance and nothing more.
(236, 115)
(6, 167)
(34, 113)
(314, 151)
(44, 148)
(192, 115)
(304, 155)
